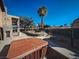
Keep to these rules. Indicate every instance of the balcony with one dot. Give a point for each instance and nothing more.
(25, 49)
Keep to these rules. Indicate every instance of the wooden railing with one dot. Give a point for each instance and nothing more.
(39, 54)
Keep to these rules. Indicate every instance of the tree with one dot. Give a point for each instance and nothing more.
(46, 26)
(42, 12)
(26, 22)
(61, 26)
(65, 24)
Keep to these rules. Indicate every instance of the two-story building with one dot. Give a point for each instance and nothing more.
(2, 19)
(9, 25)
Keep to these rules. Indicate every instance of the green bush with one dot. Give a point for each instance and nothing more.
(37, 30)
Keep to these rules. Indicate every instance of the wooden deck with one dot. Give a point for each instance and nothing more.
(24, 47)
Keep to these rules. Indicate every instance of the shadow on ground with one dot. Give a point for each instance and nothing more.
(53, 54)
(4, 52)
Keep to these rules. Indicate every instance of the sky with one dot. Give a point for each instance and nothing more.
(59, 12)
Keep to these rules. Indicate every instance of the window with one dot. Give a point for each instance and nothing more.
(1, 34)
(7, 33)
(14, 24)
(15, 30)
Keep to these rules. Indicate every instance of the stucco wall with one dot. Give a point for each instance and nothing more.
(0, 18)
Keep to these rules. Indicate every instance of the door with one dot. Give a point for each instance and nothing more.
(1, 34)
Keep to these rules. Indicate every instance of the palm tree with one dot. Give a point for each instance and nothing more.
(42, 12)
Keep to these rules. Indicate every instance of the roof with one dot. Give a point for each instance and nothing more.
(23, 47)
(76, 20)
(58, 27)
(13, 16)
(2, 6)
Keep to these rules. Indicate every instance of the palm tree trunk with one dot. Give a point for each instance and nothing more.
(42, 22)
